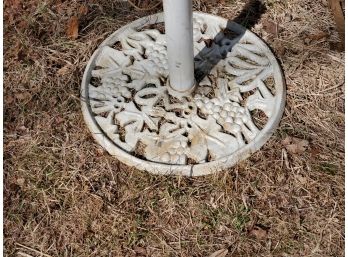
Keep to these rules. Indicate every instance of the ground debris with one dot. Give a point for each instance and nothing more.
(259, 233)
(72, 30)
(295, 145)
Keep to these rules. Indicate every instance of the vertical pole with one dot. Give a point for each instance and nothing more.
(179, 34)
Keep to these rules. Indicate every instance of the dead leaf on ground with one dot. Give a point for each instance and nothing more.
(73, 28)
(315, 151)
(287, 141)
(64, 70)
(23, 96)
(219, 253)
(259, 233)
(141, 251)
(295, 145)
(270, 27)
(301, 179)
(318, 36)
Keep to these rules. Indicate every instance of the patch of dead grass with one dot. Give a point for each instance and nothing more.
(63, 196)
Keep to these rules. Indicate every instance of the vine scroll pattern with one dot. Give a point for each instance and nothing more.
(129, 100)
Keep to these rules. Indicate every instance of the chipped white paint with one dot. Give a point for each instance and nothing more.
(127, 107)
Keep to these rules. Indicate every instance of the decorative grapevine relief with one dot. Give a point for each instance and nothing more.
(237, 104)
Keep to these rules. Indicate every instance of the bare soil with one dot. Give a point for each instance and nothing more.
(65, 196)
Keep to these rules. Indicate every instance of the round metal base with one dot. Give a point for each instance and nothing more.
(237, 104)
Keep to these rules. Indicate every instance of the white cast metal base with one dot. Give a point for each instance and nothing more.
(231, 114)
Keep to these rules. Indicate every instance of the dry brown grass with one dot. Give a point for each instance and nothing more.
(64, 196)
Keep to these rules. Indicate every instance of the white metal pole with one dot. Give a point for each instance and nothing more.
(179, 34)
